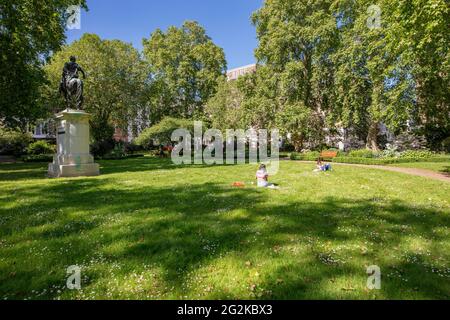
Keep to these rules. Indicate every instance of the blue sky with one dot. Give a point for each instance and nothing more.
(227, 22)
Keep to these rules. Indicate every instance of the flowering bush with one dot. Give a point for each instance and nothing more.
(391, 151)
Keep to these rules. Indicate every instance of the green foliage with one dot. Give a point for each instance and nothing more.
(378, 161)
(118, 151)
(40, 147)
(446, 145)
(296, 40)
(185, 66)
(100, 148)
(362, 153)
(417, 154)
(161, 133)
(115, 156)
(225, 110)
(14, 142)
(305, 156)
(365, 156)
(148, 217)
(101, 129)
(29, 32)
(422, 26)
(38, 158)
(298, 120)
(114, 85)
(132, 147)
(390, 151)
(323, 55)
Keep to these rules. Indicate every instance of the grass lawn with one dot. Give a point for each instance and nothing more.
(441, 167)
(146, 229)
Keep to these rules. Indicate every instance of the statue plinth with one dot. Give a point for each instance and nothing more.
(72, 137)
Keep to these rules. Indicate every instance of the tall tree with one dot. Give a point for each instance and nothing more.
(356, 65)
(185, 67)
(225, 109)
(417, 34)
(296, 41)
(114, 85)
(397, 71)
(30, 31)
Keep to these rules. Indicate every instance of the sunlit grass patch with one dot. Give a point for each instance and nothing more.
(147, 229)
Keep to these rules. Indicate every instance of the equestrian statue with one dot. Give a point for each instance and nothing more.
(71, 85)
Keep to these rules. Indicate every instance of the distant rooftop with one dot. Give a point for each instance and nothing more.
(235, 73)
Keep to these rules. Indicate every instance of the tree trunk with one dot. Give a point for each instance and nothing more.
(372, 137)
(297, 141)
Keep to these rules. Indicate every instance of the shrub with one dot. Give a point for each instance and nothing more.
(162, 131)
(362, 153)
(40, 147)
(123, 157)
(131, 147)
(305, 156)
(418, 154)
(410, 141)
(446, 145)
(379, 161)
(38, 158)
(103, 147)
(118, 151)
(391, 151)
(287, 147)
(14, 142)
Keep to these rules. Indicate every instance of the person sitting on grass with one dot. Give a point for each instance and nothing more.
(262, 178)
(320, 166)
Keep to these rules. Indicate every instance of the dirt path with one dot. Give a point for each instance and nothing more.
(412, 171)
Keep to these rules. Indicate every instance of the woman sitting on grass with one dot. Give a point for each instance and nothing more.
(262, 178)
(321, 166)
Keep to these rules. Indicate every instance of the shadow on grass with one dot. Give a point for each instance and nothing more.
(446, 171)
(180, 229)
(22, 171)
(178, 241)
(31, 171)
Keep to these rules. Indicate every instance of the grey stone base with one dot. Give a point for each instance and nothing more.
(73, 170)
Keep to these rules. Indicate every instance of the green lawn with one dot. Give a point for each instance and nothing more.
(146, 229)
(441, 167)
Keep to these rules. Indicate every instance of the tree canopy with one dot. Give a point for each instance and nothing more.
(185, 66)
(347, 64)
(30, 31)
(114, 85)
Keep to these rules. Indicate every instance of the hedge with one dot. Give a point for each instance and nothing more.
(49, 157)
(38, 158)
(303, 157)
(375, 161)
(370, 161)
(311, 156)
(114, 157)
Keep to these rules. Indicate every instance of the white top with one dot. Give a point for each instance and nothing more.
(261, 176)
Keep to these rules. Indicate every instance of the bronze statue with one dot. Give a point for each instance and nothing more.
(71, 85)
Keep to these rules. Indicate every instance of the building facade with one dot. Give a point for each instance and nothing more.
(233, 74)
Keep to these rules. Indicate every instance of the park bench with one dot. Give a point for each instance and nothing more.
(328, 154)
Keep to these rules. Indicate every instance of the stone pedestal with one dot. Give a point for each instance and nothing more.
(72, 137)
